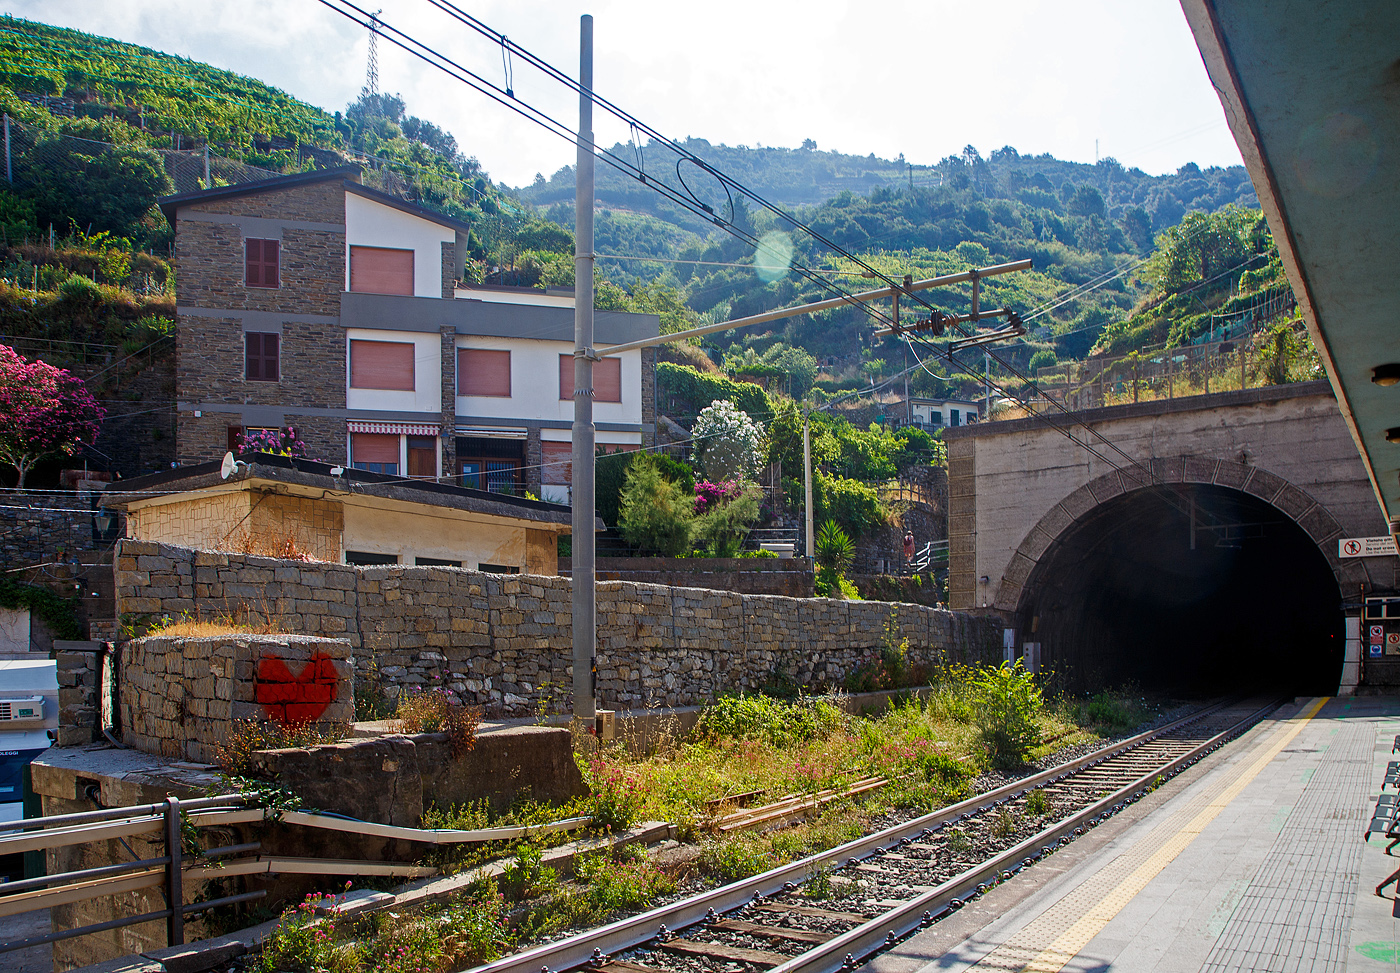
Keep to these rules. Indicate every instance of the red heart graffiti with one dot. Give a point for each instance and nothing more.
(289, 699)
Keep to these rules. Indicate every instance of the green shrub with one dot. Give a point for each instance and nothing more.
(770, 720)
(1005, 701)
(1111, 713)
(654, 514)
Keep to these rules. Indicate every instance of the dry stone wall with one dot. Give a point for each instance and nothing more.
(503, 641)
(179, 696)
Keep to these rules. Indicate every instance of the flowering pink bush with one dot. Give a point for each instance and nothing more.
(283, 442)
(43, 410)
(710, 495)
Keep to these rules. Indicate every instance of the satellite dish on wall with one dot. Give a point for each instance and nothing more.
(229, 466)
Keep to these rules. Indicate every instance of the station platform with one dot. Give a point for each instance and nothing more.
(1254, 860)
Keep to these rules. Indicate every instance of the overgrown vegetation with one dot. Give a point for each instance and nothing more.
(438, 711)
(234, 755)
(57, 612)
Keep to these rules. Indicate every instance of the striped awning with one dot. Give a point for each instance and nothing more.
(396, 428)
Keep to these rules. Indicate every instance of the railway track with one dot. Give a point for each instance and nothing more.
(830, 911)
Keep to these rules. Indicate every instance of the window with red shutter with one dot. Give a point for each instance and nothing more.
(262, 357)
(381, 365)
(260, 262)
(375, 452)
(482, 372)
(607, 379)
(381, 270)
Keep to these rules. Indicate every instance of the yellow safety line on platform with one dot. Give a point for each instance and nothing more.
(1138, 866)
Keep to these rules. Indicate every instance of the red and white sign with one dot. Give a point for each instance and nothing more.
(1377, 634)
(1366, 547)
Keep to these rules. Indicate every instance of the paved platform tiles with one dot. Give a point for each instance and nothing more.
(1252, 860)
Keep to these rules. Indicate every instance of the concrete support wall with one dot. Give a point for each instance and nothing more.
(503, 641)
(1015, 486)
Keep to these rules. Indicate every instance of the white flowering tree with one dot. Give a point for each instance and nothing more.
(728, 444)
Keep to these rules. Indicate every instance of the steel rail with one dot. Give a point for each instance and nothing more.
(594, 945)
(846, 949)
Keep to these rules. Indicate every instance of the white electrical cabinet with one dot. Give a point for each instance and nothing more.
(28, 724)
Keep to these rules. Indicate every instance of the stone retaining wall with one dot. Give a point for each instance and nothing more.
(751, 576)
(503, 641)
(180, 695)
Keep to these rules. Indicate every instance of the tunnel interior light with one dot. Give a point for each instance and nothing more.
(1386, 375)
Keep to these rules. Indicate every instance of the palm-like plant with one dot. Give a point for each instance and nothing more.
(834, 549)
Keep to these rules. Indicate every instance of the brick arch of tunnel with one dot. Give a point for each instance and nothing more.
(1124, 593)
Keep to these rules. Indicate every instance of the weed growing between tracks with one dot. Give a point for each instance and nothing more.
(745, 753)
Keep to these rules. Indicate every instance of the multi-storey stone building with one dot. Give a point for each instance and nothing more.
(313, 302)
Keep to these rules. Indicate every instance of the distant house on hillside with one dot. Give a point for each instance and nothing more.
(935, 413)
(314, 302)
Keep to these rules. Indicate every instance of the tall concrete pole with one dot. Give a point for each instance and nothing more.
(807, 472)
(585, 619)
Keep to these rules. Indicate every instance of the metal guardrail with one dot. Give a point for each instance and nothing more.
(170, 871)
(166, 872)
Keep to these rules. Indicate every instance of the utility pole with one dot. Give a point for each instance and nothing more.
(208, 182)
(807, 470)
(585, 621)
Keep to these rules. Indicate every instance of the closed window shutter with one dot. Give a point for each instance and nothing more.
(557, 460)
(371, 447)
(482, 372)
(261, 359)
(260, 259)
(381, 365)
(380, 270)
(607, 380)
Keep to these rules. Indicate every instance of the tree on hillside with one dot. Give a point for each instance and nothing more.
(1205, 245)
(43, 411)
(88, 185)
(728, 444)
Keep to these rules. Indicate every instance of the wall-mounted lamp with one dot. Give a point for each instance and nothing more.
(104, 522)
(984, 580)
(1386, 375)
(1392, 435)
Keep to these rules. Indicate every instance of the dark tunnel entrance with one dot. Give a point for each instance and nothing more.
(1126, 595)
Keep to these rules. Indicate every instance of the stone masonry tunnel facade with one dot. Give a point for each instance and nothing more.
(1204, 561)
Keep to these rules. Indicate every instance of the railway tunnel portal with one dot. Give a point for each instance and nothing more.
(1202, 558)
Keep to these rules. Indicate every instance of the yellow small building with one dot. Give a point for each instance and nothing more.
(277, 506)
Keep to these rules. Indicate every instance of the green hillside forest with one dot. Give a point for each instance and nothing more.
(1122, 259)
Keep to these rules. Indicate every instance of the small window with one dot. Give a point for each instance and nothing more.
(380, 270)
(556, 463)
(382, 365)
(260, 263)
(607, 379)
(482, 372)
(262, 357)
(935, 418)
(369, 558)
(375, 452)
(422, 456)
(497, 568)
(435, 562)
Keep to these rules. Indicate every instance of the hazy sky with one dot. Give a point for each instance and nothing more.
(921, 77)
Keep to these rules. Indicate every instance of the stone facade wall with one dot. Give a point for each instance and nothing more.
(45, 526)
(79, 701)
(179, 696)
(210, 263)
(210, 520)
(503, 641)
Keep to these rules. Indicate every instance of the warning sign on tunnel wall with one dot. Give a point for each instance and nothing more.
(1366, 547)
